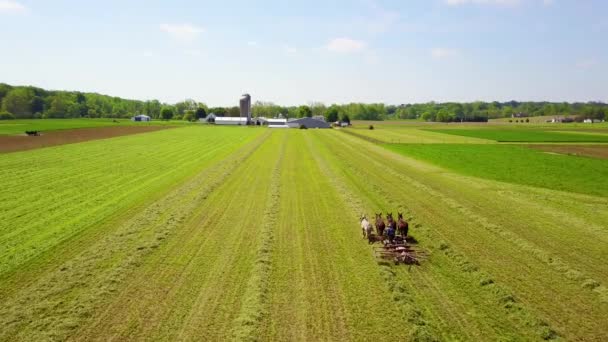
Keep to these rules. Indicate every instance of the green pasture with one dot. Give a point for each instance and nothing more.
(523, 135)
(516, 164)
(10, 127)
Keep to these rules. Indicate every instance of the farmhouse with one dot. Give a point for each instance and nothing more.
(141, 117)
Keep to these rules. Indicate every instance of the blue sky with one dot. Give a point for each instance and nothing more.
(294, 52)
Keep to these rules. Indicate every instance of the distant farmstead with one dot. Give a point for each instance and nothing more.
(308, 123)
(141, 117)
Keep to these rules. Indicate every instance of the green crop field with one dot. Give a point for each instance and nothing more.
(525, 135)
(10, 127)
(516, 164)
(233, 233)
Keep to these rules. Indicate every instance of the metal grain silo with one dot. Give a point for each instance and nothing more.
(245, 104)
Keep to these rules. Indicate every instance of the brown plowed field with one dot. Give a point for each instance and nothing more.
(12, 143)
(597, 151)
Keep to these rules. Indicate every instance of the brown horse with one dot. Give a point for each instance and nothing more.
(402, 225)
(380, 225)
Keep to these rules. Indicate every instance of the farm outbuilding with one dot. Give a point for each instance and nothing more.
(277, 123)
(231, 121)
(141, 117)
(308, 123)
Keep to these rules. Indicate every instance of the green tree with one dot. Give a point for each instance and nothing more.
(18, 101)
(332, 113)
(166, 113)
(200, 113)
(304, 112)
(345, 118)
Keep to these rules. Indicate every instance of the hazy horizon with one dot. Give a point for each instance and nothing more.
(298, 52)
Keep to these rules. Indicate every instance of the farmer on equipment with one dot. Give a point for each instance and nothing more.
(391, 233)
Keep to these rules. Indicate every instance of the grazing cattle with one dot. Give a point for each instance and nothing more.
(402, 225)
(380, 226)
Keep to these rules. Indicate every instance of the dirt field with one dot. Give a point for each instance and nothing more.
(597, 151)
(12, 143)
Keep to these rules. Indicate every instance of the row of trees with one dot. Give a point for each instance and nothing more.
(32, 102)
(482, 111)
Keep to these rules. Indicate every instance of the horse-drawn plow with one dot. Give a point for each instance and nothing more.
(400, 251)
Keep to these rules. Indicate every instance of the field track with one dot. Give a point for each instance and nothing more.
(252, 234)
(12, 143)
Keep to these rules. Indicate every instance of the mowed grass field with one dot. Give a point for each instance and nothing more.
(234, 233)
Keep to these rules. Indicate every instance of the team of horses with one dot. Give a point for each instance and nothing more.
(388, 230)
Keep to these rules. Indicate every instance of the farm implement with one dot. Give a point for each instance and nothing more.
(400, 252)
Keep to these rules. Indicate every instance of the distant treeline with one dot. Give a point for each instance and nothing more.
(25, 102)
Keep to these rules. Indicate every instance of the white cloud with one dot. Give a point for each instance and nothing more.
(345, 45)
(10, 6)
(444, 53)
(182, 32)
(495, 2)
(252, 43)
(482, 2)
(585, 64)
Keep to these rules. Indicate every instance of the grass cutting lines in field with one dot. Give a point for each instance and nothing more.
(62, 291)
(443, 200)
(399, 135)
(76, 187)
(324, 283)
(193, 286)
(445, 293)
(255, 306)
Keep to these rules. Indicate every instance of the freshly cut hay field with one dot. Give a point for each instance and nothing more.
(253, 234)
(525, 135)
(516, 164)
(405, 135)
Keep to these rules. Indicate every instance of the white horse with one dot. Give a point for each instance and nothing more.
(366, 226)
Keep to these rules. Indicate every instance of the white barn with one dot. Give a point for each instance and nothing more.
(230, 121)
(277, 123)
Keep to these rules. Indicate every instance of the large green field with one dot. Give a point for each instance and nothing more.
(9, 127)
(234, 233)
(526, 135)
(516, 164)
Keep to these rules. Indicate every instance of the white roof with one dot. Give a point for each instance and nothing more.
(141, 116)
(228, 118)
(277, 121)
